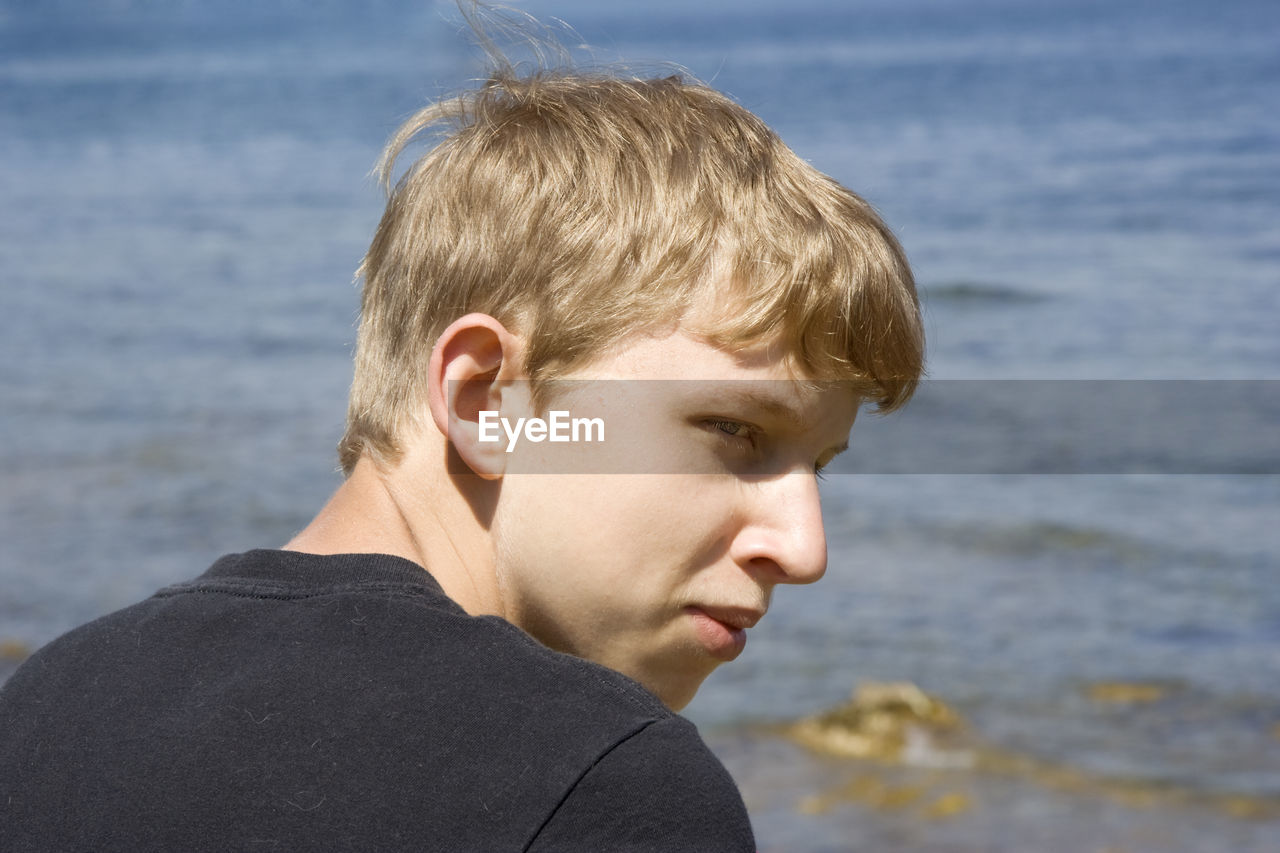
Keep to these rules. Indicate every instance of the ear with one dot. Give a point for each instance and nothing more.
(470, 364)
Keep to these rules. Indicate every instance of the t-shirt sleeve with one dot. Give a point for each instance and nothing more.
(661, 789)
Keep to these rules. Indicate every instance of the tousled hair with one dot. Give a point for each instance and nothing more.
(578, 207)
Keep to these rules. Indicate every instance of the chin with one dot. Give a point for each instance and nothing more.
(676, 693)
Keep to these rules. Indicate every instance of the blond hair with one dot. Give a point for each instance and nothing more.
(579, 207)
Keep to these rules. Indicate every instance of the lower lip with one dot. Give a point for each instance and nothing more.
(721, 640)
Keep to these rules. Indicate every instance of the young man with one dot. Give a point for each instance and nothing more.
(481, 644)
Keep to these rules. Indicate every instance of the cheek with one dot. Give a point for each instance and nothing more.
(619, 527)
(558, 537)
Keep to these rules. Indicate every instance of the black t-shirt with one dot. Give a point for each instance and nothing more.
(286, 701)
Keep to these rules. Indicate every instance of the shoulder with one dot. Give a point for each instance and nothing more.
(367, 694)
(660, 789)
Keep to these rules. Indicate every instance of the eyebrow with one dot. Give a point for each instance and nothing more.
(776, 407)
(769, 403)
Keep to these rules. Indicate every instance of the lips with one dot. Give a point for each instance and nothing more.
(740, 618)
(723, 630)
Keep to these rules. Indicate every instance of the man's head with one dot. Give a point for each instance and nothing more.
(587, 227)
(580, 208)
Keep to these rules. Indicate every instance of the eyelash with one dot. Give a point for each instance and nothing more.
(750, 433)
(741, 430)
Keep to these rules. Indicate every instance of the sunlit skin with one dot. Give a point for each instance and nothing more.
(660, 549)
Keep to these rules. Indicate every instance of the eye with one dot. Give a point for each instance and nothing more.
(735, 435)
(732, 428)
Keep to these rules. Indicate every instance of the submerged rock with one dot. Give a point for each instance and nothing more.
(1125, 692)
(902, 728)
(889, 722)
(14, 650)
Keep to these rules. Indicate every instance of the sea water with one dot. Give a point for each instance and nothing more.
(1087, 191)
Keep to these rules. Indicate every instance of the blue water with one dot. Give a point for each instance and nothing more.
(1086, 190)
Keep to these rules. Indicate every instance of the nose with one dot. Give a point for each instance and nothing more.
(782, 539)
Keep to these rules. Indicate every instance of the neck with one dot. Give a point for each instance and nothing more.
(418, 511)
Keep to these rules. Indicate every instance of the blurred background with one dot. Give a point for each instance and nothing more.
(1087, 190)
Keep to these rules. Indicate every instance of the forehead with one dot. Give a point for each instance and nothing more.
(677, 363)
